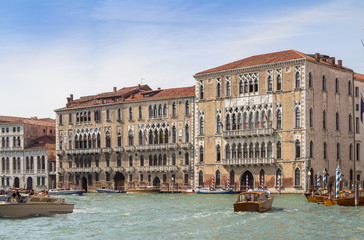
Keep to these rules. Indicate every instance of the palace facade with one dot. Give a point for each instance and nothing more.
(134, 137)
(274, 121)
(27, 153)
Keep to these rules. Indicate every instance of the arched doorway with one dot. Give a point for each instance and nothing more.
(84, 184)
(250, 180)
(29, 183)
(156, 182)
(119, 181)
(16, 182)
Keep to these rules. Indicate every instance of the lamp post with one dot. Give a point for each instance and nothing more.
(172, 179)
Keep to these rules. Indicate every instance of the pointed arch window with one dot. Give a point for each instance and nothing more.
(338, 153)
(150, 111)
(323, 83)
(279, 83)
(297, 177)
(298, 117)
(131, 138)
(140, 138)
(311, 118)
(108, 140)
(218, 178)
(174, 134)
(310, 80)
(202, 126)
(324, 119)
(325, 150)
(298, 80)
(119, 114)
(173, 159)
(228, 88)
(130, 113)
(187, 158)
(270, 83)
(218, 153)
(187, 133)
(279, 119)
(200, 179)
(311, 149)
(337, 86)
(218, 124)
(140, 112)
(218, 88)
(187, 107)
(174, 109)
(202, 90)
(201, 154)
(227, 151)
(241, 86)
(351, 152)
(337, 121)
(165, 110)
(349, 88)
(297, 149)
(350, 123)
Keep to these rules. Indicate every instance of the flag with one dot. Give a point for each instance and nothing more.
(361, 108)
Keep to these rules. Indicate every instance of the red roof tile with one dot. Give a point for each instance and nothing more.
(256, 60)
(359, 76)
(6, 120)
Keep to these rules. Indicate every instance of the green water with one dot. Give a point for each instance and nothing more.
(188, 216)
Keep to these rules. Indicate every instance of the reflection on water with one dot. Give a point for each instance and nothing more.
(191, 216)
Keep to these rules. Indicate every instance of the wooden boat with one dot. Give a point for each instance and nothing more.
(34, 205)
(143, 190)
(214, 191)
(66, 191)
(346, 198)
(316, 195)
(189, 191)
(104, 190)
(254, 201)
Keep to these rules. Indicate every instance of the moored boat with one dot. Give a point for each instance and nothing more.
(66, 191)
(34, 205)
(143, 190)
(254, 201)
(105, 190)
(214, 191)
(316, 195)
(189, 191)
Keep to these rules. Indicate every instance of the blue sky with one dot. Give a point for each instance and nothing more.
(49, 49)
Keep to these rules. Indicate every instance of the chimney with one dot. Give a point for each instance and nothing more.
(68, 100)
(317, 57)
(139, 86)
(71, 97)
(159, 88)
(332, 60)
(114, 89)
(340, 63)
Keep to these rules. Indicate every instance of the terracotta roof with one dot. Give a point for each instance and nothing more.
(6, 120)
(163, 94)
(42, 142)
(359, 76)
(268, 58)
(129, 94)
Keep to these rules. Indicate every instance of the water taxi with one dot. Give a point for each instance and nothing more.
(254, 201)
(316, 195)
(345, 198)
(34, 205)
(214, 191)
(66, 191)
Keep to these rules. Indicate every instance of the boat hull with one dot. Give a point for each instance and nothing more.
(108, 191)
(67, 192)
(230, 191)
(29, 209)
(142, 191)
(253, 206)
(349, 201)
(330, 202)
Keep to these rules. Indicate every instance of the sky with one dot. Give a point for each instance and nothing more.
(50, 49)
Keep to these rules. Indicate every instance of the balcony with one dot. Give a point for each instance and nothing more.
(157, 169)
(248, 132)
(247, 161)
(41, 171)
(129, 148)
(106, 150)
(107, 169)
(59, 152)
(172, 168)
(141, 169)
(129, 169)
(162, 146)
(60, 170)
(186, 145)
(118, 169)
(186, 168)
(96, 169)
(118, 149)
(16, 171)
(80, 170)
(83, 151)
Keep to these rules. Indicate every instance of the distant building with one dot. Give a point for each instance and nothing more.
(358, 148)
(133, 137)
(27, 153)
(276, 119)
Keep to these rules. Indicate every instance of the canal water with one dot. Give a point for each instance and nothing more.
(188, 216)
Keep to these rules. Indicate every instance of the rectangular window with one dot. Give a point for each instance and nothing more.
(357, 125)
(357, 107)
(130, 177)
(14, 129)
(149, 178)
(357, 151)
(38, 181)
(356, 91)
(141, 178)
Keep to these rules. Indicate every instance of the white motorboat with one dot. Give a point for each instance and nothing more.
(66, 191)
(214, 191)
(34, 205)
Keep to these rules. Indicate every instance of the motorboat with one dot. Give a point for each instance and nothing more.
(34, 205)
(66, 191)
(345, 198)
(189, 191)
(214, 191)
(317, 195)
(254, 201)
(105, 190)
